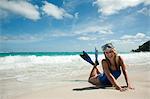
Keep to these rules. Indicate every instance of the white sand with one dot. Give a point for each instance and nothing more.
(64, 90)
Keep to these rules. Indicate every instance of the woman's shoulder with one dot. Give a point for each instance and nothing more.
(105, 61)
(119, 58)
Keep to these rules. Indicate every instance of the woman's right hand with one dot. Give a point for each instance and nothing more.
(121, 89)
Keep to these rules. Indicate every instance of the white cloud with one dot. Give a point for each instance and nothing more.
(71, 5)
(125, 46)
(135, 38)
(145, 11)
(21, 38)
(58, 33)
(76, 15)
(21, 7)
(128, 42)
(84, 31)
(54, 11)
(94, 29)
(86, 38)
(109, 7)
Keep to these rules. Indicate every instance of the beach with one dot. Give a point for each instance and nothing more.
(65, 77)
(43, 45)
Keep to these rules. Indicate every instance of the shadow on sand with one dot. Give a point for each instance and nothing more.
(89, 88)
(86, 88)
(94, 87)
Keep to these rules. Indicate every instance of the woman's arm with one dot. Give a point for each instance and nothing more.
(110, 76)
(124, 70)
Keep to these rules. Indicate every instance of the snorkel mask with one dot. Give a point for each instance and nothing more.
(107, 46)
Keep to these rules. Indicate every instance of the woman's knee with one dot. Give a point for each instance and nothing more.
(89, 80)
(93, 80)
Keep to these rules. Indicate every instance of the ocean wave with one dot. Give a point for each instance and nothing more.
(13, 62)
(9, 62)
(34, 69)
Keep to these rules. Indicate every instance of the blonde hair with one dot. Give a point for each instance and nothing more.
(115, 58)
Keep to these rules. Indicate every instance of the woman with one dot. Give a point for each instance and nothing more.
(111, 68)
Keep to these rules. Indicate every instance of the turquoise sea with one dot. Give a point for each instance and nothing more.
(41, 53)
(46, 53)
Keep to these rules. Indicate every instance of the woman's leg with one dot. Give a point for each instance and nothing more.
(94, 72)
(98, 71)
(93, 76)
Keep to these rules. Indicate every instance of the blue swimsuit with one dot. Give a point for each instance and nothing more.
(104, 80)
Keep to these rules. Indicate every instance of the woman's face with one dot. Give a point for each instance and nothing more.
(109, 53)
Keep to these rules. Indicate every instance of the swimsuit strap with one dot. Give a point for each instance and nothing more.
(115, 60)
(109, 64)
(117, 63)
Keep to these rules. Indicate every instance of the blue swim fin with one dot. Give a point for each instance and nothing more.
(87, 58)
(96, 57)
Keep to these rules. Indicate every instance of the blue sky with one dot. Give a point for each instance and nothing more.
(73, 25)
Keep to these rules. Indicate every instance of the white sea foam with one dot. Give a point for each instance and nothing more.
(12, 62)
(33, 68)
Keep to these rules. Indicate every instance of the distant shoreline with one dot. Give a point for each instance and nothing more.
(53, 53)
